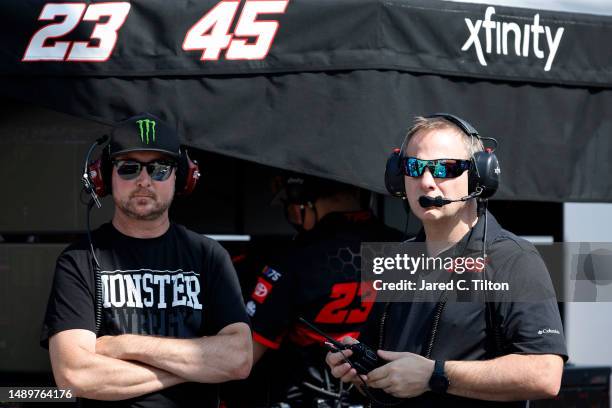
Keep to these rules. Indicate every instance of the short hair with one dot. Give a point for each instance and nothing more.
(472, 144)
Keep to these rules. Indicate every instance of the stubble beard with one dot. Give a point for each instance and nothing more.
(128, 207)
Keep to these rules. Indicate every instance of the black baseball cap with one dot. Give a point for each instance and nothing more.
(144, 132)
(297, 188)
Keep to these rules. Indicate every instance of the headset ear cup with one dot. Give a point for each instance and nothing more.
(484, 173)
(187, 175)
(96, 178)
(100, 175)
(394, 175)
(473, 177)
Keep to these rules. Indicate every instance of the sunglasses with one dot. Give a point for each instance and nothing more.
(439, 168)
(159, 170)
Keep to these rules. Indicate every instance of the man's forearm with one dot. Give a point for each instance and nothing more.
(104, 378)
(511, 377)
(226, 356)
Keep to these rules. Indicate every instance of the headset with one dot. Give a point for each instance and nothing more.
(304, 190)
(484, 171)
(98, 174)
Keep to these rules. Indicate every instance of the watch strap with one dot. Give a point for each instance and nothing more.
(439, 381)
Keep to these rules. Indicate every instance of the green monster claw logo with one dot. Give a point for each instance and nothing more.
(145, 126)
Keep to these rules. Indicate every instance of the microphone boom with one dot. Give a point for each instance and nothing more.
(439, 201)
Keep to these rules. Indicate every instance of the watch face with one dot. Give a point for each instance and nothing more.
(438, 383)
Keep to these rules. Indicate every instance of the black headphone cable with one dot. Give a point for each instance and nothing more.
(97, 270)
(89, 188)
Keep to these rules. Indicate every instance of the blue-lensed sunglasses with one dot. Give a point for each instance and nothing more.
(439, 168)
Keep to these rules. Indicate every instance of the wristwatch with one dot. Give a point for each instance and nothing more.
(439, 381)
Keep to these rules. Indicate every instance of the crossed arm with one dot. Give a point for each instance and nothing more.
(506, 378)
(127, 366)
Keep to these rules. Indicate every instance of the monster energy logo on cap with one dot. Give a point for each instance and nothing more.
(144, 132)
(146, 127)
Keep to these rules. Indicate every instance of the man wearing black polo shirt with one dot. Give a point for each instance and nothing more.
(462, 353)
(147, 313)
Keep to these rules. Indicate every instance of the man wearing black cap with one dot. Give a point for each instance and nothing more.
(171, 311)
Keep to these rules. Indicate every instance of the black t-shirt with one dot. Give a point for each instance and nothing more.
(525, 327)
(180, 285)
(319, 280)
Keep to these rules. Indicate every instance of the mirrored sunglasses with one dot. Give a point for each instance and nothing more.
(439, 168)
(158, 170)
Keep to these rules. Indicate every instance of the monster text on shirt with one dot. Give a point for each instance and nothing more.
(145, 288)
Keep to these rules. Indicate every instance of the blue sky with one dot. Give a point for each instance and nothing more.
(576, 6)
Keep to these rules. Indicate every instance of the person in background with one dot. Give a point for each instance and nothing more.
(318, 279)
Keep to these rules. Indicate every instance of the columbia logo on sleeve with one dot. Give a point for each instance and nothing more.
(548, 331)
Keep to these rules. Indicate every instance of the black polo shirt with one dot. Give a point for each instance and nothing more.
(524, 327)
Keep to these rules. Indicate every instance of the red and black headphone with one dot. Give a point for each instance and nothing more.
(483, 172)
(98, 174)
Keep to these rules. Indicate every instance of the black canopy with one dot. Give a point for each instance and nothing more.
(328, 87)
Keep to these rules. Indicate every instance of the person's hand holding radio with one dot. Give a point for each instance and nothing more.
(340, 368)
(406, 375)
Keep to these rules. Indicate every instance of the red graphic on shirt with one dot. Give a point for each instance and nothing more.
(261, 291)
(341, 308)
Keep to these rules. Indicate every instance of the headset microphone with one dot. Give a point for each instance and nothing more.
(439, 201)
